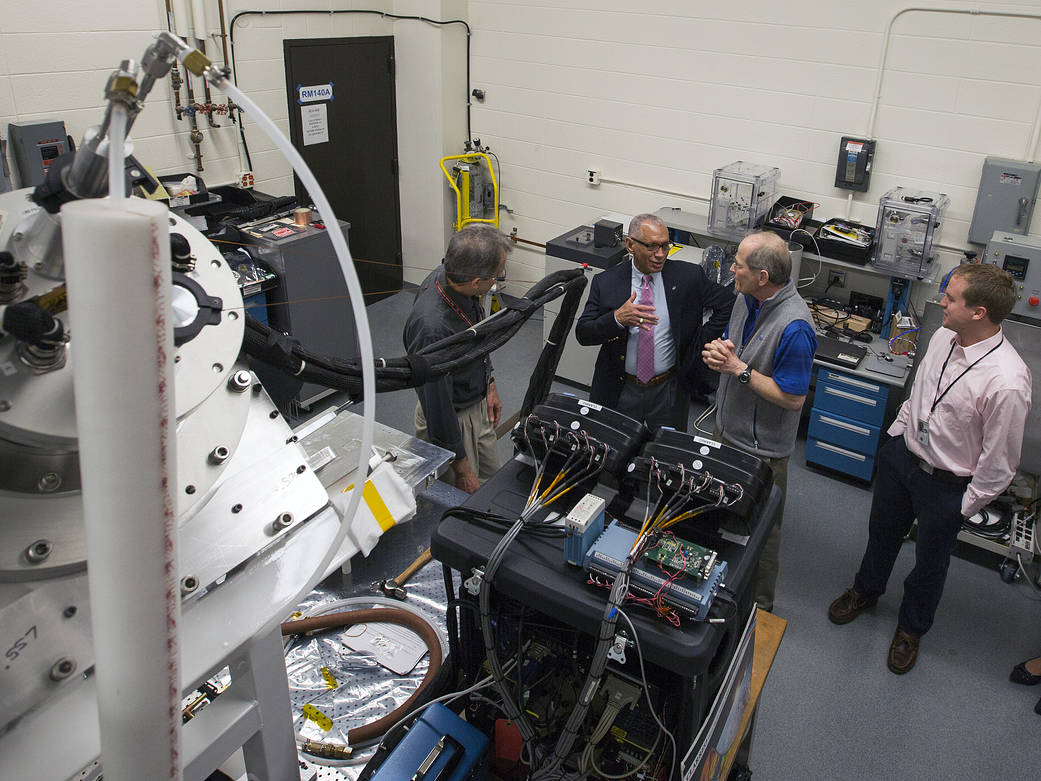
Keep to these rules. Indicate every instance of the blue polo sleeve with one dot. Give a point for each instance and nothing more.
(793, 361)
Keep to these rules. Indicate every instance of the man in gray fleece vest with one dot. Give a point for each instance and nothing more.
(764, 360)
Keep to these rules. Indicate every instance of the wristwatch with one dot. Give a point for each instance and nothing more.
(745, 377)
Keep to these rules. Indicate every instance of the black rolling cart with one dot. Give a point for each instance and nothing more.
(548, 616)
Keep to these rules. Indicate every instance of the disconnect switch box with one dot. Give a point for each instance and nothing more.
(582, 526)
(1005, 201)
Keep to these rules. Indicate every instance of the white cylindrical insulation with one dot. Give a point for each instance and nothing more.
(117, 264)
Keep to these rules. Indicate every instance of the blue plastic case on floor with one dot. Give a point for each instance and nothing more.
(448, 747)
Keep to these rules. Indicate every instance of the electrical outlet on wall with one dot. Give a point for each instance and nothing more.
(836, 278)
(593, 177)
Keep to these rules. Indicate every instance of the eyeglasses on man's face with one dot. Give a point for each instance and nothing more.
(654, 247)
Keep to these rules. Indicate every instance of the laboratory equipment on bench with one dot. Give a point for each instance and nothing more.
(472, 179)
(907, 231)
(742, 197)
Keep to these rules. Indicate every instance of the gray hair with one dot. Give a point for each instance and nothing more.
(640, 220)
(770, 254)
(475, 252)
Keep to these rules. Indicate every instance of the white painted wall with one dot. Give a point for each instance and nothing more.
(664, 91)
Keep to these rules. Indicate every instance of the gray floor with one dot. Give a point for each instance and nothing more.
(831, 709)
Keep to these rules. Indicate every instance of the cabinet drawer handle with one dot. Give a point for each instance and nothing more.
(851, 396)
(842, 451)
(843, 424)
(855, 383)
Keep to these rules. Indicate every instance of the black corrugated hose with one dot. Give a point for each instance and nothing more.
(286, 355)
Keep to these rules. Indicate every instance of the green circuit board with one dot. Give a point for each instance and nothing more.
(679, 555)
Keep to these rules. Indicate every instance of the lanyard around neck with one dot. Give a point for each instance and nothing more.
(453, 305)
(939, 396)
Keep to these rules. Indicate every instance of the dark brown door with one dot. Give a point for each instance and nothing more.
(342, 119)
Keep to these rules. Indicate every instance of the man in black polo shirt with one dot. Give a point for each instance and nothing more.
(460, 411)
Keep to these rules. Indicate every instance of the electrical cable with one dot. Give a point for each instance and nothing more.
(571, 473)
(274, 348)
(490, 521)
(329, 12)
(820, 259)
(647, 691)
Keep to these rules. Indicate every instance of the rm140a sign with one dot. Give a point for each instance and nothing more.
(315, 92)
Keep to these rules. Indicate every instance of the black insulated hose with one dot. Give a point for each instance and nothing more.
(286, 355)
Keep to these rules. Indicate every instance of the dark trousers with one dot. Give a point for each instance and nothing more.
(903, 492)
(664, 404)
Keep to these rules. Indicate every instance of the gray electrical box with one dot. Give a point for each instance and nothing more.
(34, 146)
(1020, 256)
(310, 302)
(1005, 201)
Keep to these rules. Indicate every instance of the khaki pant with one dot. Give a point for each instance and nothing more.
(479, 440)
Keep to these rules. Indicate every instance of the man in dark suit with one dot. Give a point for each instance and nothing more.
(647, 313)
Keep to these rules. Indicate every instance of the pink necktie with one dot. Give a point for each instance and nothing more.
(645, 339)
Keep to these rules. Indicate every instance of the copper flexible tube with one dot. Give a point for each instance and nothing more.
(386, 615)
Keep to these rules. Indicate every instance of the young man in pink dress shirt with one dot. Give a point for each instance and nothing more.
(955, 447)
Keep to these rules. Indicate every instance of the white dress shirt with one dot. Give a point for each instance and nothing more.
(664, 345)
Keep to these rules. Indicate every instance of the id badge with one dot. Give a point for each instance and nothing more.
(923, 433)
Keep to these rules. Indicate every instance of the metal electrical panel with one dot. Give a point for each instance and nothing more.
(34, 146)
(1005, 201)
(853, 170)
(1020, 256)
(310, 302)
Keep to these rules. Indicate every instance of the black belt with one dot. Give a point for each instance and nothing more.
(655, 380)
(942, 474)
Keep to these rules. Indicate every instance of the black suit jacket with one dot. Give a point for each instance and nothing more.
(688, 293)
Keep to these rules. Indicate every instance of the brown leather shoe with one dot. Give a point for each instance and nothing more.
(903, 652)
(848, 606)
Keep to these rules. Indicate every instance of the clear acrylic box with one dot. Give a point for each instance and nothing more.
(909, 225)
(742, 196)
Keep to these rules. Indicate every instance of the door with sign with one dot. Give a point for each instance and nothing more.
(342, 120)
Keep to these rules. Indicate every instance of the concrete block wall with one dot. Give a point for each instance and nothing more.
(661, 93)
(656, 95)
(55, 65)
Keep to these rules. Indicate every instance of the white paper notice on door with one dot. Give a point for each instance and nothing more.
(314, 122)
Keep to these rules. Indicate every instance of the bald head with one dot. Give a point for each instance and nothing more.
(765, 251)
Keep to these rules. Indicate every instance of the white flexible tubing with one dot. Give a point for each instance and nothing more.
(361, 321)
(116, 155)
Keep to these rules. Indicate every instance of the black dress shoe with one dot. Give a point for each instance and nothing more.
(1020, 674)
(903, 652)
(1037, 708)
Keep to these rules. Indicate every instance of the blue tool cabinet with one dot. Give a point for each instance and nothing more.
(845, 422)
